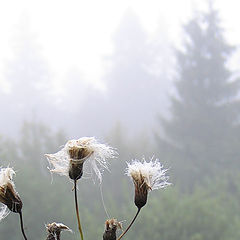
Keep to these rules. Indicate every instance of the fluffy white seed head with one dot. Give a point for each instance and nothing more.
(150, 173)
(9, 198)
(4, 211)
(90, 150)
(6, 175)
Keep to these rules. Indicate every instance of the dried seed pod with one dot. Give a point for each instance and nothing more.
(141, 192)
(146, 176)
(69, 160)
(78, 155)
(8, 194)
(111, 227)
(54, 230)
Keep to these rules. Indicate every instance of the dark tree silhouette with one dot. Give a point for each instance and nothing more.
(201, 135)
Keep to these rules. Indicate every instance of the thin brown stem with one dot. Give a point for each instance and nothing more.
(77, 211)
(138, 211)
(21, 222)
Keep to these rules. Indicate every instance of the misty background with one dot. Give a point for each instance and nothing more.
(150, 79)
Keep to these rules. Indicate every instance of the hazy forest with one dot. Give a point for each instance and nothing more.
(194, 130)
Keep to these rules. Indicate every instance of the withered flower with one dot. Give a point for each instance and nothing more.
(8, 195)
(54, 230)
(146, 176)
(70, 159)
(111, 227)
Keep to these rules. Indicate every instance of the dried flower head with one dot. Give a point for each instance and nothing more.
(69, 160)
(54, 230)
(146, 176)
(111, 227)
(8, 195)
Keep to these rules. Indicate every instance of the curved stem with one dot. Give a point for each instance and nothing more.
(77, 211)
(21, 222)
(129, 224)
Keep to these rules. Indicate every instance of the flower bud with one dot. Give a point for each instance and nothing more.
(54, 230)
(141, 193)
(8, 194)
(111, 227)
(10, 198)
(146, 176)
(75, 169)
(77, 155)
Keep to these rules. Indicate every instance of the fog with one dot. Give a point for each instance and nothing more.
(153, 80)
(131, 70)
(52, 79)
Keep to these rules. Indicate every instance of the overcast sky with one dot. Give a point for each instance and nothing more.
(77, 34)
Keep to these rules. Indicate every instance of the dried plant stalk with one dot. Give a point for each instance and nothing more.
(138, 211)
(21, 223)
(77, 211)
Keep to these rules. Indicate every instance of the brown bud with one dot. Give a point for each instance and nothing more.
(54, 230)
(141, 192)
(141, 195)
(78, 153)
(77, 158)
(10, 198)
(75, 169)
(111, 227)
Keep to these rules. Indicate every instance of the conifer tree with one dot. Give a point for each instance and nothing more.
(200, 138)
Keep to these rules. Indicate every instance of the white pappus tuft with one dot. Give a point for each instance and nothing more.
(6, 175)
(150, 173)
(4, 211)
(84, 149)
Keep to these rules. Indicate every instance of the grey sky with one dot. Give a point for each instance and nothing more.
(83, 30)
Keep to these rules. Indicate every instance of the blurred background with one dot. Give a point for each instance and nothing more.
(151, 78)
